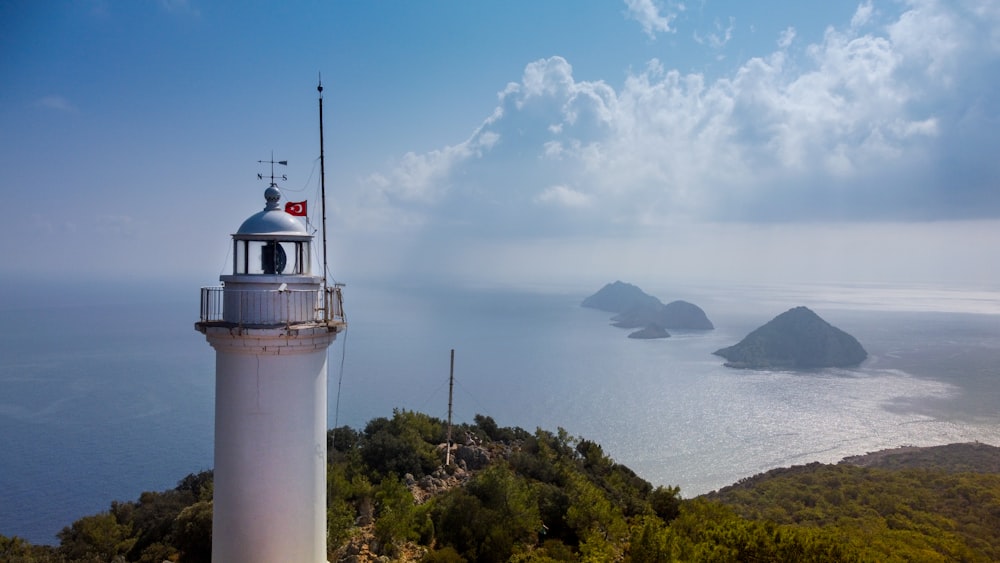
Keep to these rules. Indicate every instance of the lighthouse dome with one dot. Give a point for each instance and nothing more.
(272, 220)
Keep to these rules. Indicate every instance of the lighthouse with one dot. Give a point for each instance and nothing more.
(270, 322)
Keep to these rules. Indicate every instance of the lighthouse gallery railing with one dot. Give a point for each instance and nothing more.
(271, 307)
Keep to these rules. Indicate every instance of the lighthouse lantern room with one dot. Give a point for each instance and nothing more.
(277, 242)
(270, 323)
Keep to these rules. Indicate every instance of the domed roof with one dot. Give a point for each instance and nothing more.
(272, 220)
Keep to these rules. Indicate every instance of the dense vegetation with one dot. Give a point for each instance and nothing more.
(156, 527)
(893, 515)
(517, 496)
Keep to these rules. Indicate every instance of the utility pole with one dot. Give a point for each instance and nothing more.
(451, 387)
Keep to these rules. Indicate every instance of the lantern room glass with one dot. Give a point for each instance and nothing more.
(271, 257)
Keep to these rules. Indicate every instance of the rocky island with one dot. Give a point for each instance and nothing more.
(651, 331)
(637, 309)
(795, 339)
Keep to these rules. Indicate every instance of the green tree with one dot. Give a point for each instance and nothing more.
(18, 550)
(666, 502)
(95, 538)
(443, 555)
(192, 533)
(598, 522)
(404, 444)
(399, 519)
(649, 542)
(489, 517)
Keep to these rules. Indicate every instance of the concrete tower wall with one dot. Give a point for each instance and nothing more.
(270, 445)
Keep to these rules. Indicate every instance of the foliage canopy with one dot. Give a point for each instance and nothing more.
(547, 497)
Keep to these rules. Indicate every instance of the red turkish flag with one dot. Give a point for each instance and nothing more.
(296, 208)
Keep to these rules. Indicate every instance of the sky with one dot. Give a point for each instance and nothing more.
(508, 142)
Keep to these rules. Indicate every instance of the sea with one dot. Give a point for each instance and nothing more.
(107, 391)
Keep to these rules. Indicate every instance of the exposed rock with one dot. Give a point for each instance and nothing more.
(362, 547)
(366, 512)
(443, 479)
(473, 457)
(795, 339)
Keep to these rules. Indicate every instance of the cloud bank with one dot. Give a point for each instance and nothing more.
(878, 121)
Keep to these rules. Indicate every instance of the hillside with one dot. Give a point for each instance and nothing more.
(974, 457)
(795, 339)
(908, 504)
(548, 496)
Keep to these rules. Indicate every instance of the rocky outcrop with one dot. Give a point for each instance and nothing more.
(795, 339)
(472, 457)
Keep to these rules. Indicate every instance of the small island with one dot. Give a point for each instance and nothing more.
(651, 331)
(795, 339)
(637, 309)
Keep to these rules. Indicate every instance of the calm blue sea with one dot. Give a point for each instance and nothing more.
(107, 392)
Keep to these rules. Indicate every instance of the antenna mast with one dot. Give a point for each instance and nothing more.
(322, 178)
(451, 386)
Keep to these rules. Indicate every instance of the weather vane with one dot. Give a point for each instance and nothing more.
(272, 162)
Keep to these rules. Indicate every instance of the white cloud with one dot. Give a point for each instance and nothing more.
(786, 37)
(718, 37)
(553, 149)
(424, 177)
(930, 38)
(862, 15)
(563, 196)
(648, 14)
(418, 176)
(856, 126)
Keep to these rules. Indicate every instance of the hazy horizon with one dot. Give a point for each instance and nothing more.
(667, 408)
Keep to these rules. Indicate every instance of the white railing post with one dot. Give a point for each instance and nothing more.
(265, 306)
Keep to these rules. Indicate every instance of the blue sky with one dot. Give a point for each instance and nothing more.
(556, 142)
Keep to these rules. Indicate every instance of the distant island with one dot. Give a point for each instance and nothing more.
(637, 309)
(651, 331)
(795, 339)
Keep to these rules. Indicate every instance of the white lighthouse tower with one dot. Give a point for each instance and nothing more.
(270, 323)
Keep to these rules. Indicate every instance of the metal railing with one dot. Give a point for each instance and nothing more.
(271, 307)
